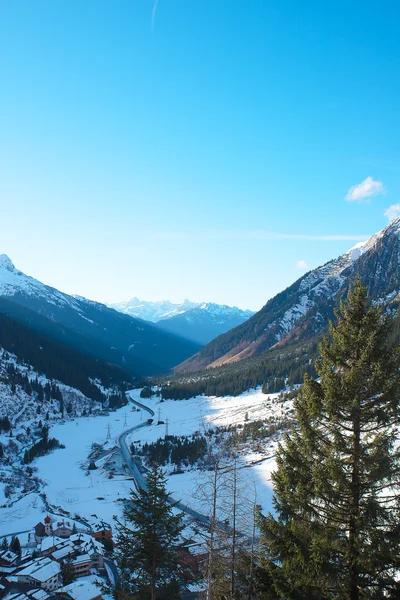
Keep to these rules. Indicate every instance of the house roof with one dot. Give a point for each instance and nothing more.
(42, 569)
(81, 590)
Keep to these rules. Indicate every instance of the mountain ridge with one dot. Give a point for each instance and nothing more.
(302, 310)
(135, 345)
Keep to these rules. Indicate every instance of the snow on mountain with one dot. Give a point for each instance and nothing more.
(197, 321)
(303, 309)
(138, 347)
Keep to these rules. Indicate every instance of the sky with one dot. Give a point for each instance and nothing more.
(201, 149)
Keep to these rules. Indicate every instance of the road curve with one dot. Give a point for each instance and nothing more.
(139, 478)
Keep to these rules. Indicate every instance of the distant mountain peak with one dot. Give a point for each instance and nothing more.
(6, 263)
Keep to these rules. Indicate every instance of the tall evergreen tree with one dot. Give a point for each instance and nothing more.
(336, 533)
(15, 546)
(149, 554)
(68, 571)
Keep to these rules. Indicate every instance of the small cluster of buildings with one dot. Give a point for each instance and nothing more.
(58, 548)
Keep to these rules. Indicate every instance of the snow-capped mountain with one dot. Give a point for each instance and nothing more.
(197, 321)
(303, 309)
(138, 347)
(153, 311)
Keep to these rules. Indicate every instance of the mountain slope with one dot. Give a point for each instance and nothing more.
(302, 310)
(205, 322)
(139, 347)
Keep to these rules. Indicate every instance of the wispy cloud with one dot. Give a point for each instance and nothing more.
(302, 265)
(153, 14)
(392, 212)
(365, 190)
(257, 235)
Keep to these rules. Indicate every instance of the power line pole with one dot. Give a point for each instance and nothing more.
(108, 437)
(159, 414)
(125, 421)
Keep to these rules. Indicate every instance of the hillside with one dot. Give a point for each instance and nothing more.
(303, 310)
(137, 346)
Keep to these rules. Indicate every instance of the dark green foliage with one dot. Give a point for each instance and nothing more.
(67, 571)
(5, 424)
(97, 332)
(148, 549)
(274, 370)
(4, 544)
(117, 400)
(337, 533)
(15, 546)
(57, 361)
(41, 447)
(174, 449)
(146, 392)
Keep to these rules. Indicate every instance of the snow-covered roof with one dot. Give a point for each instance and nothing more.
(99, 525)
(42, 569)
(81, 590)
(39, 595)
(8, 556)
(65, 550)
(50, 541)
(82, 558)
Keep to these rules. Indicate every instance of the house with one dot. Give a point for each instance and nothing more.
(49, 545)
(79, 590)
(42, 573)
(8, 558)
(40, 531)
(82, 565)
(85, 544)
(101, 530)
(62, 529)
(63, 551)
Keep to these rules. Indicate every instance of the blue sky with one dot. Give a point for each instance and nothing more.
(194, 148)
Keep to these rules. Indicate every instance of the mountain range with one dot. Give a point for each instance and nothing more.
(197, 321)
(303, 310)
(138, 347)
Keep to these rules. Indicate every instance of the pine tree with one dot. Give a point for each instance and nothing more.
(15, 546)
(68, 571)
(149, 553)
(336, 533)
(4, 544)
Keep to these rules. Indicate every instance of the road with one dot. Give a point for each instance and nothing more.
(139, 478)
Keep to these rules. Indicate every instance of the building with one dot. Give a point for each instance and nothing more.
(42, 573)
(82, 565)
(63, 529)
(8, 558)
(101, 530)
(79, 590)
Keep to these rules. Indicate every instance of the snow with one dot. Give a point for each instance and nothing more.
(84, 588)
(85, 494)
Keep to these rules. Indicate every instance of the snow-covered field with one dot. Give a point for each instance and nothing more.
(70, 487)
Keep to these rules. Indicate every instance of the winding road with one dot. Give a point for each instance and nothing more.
(139, 478)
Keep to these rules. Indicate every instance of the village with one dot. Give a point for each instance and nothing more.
(59, 559)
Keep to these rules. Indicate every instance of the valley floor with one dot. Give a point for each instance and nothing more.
(70, 487)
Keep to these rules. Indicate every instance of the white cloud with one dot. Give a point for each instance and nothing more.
(364, 190)
(301, 264)
(392, 212)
